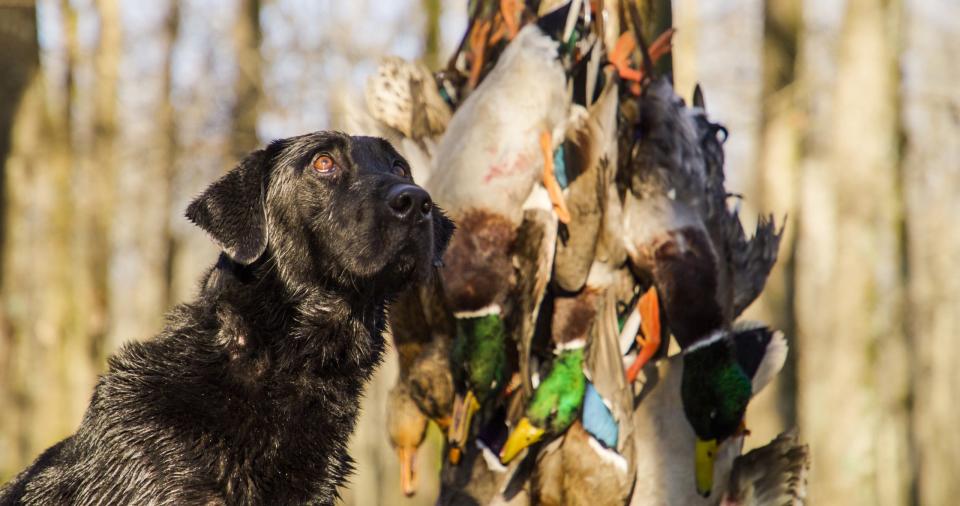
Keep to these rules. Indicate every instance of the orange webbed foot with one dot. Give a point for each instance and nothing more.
(510, 12)
(620, 55)
(550, 179)
(649, 341)
(478, 46)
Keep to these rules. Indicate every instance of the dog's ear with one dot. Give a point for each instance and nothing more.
(231, 210)
(443, 229)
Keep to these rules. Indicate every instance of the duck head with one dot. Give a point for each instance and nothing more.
(555, 405)
(715, 391)
(406, 426)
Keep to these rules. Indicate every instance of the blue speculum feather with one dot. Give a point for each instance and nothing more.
(445, 96)
(560, 167)
(598, 420)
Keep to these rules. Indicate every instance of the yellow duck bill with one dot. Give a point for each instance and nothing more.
(464, 407)
(706, 452)
(523, 435)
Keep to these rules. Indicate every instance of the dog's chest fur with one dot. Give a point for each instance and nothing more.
(238, 401)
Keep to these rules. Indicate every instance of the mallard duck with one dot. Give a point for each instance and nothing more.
(404, 96)
(667, 443)
(774, 474)
(421, 330)
(492, 155)
(480, 354)
(602, 462)
(555, 405)
(676, 222)
(589, 158)
(486, 167)
(557, 399)
(591, 457)
(558, 395)
(581, 471)
(676, 227)
(428, 374)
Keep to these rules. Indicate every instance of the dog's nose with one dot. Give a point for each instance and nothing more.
(409, 201)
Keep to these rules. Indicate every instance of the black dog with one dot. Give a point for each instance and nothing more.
(251, 392)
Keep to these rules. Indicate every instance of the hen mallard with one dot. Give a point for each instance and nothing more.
(421, 329)
(406, 426)
(772, 475)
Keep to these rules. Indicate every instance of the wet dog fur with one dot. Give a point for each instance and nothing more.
(250, 393)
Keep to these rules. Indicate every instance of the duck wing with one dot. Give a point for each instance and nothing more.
(533, 255)
(589, 148)
(760, 351)
(772, 475)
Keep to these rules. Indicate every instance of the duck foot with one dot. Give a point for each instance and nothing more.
(478, 46)
(649, 339)
(510, 11)
(550, 179)
(620, 55)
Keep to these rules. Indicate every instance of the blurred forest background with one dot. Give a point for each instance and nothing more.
(843, 115)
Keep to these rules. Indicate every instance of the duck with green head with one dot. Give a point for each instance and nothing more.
(679, 232)
(674, 418)
(480, 356)
(555, 405)
(715, 391)
(585, 455)
(486, 172)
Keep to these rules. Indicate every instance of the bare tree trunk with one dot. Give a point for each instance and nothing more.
(853, 359)
(21, 87)
(431, 46)
(139, 282)
(247, 87)
(20, 60)
(931, 177)
(103, 163)
(775, 190)
(50, 363)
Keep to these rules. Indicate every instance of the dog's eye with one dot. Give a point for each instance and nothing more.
(398, 169)
(324, 164)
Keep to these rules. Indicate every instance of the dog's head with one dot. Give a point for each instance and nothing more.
(328, 207)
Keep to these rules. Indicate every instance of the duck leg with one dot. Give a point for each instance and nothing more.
(510, 11)
(478, 45)
(620, 55)
(550, 179)
(649, 308)
(662, 45)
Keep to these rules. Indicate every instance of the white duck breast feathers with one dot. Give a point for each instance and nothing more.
(490, 155)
